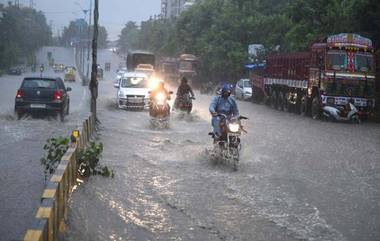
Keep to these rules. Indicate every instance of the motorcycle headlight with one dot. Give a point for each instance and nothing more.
(153, 83)
(234, 127)
(160, 97)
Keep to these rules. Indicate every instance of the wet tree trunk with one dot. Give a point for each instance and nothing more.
(94, 81)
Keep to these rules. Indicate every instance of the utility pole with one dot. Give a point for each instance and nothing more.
(89, 43)
(31, 3)
(94, 81)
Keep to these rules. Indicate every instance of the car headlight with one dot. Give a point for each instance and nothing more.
(234, 127)
(121, 95)
(248, 93)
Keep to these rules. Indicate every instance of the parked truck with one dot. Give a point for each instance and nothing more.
(187, 66)
(336, 70)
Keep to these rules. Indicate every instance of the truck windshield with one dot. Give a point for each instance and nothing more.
(337, 60)
(364, 62)
(186, 65)
(247, 84)
(134, 82)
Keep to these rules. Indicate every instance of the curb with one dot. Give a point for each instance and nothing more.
(50, 218)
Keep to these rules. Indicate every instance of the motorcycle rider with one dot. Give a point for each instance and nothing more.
(183, 89)
(222, 104)
(159, 89)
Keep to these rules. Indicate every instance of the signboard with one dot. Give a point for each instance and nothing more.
(348, 39)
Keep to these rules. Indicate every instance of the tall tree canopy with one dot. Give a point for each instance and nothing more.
(219, 31)
(23, 30)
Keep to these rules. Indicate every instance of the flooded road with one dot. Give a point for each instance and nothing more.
(21, 143)
(299, 179)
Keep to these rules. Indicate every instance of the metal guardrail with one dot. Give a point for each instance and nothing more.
(49, 222)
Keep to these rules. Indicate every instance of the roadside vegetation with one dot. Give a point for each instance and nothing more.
(23, 31)
(219, 31)
(88, 159)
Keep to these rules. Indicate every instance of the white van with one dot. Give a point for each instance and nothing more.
(133, 91)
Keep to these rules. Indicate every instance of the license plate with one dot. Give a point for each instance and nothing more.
(135, 100)
(39, 106)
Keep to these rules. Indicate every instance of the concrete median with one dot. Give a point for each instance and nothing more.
(50, 219)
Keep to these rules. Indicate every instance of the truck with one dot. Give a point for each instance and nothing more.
(187, 66)
(169, 69)
(138, 57)
(336, 70)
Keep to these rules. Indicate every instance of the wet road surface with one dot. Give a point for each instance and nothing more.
(299, 179)
(21, 143)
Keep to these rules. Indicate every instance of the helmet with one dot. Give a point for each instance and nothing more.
(226, 88)
(183, 80)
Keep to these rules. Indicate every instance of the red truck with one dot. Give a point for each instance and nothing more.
(336, 70)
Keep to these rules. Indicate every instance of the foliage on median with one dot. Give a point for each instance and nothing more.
(55, 149)
(88, 159)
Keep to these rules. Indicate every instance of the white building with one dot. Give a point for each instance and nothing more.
(173, 8)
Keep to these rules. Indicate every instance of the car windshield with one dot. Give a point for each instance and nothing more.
(134, 82)
(247, 84)
(364, 62)
(337, 60)
(40, 83)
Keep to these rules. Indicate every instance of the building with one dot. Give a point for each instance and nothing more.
(173, 8)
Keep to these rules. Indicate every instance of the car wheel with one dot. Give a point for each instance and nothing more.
(68, 108)
(315, 108)
(19, 115)
(62, 116)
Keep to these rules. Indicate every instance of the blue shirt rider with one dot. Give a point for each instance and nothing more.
(222, 104)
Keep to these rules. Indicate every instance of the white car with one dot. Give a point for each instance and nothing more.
(133, 91)
(243, 89)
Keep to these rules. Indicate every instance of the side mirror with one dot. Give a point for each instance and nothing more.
(116, 85)
(68, 89)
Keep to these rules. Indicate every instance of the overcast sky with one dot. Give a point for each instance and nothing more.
(113, 13)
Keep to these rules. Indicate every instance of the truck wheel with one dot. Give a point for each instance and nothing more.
(302, 105)
(286, 102)
(280, 101)
(315, 108)
(273, 99)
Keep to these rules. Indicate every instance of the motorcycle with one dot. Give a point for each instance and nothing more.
(184, 103)
(348, 113)
(159, 110)
(227, 147)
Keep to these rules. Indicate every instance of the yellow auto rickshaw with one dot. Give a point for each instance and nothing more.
(70, 74)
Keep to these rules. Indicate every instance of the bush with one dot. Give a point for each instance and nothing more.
(89, 161)
(56, 148)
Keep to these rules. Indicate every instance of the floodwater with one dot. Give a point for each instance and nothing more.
(299, 179)
(21, 146)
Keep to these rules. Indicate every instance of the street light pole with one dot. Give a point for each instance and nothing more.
(89, 43)
(94, 82)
